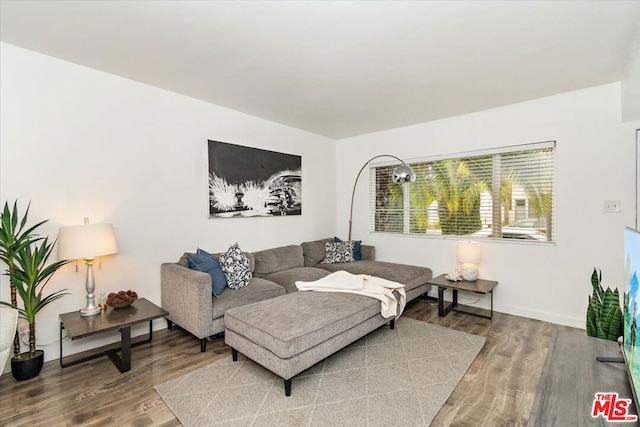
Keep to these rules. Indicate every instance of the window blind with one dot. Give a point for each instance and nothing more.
(489, 194)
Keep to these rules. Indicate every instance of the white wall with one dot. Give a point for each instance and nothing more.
(82, 143)
(595, 161)
(631, 82)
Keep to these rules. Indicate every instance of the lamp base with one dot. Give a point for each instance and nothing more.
(470, 274)
(90, 311)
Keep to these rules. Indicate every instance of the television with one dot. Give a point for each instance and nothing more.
(631, 309)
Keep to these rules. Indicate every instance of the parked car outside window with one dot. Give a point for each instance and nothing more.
(538, 223)
(524, 229)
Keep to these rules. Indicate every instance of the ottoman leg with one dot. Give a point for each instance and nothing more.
(234, 354)
(287, 387)
(169, 324)
(203, 345)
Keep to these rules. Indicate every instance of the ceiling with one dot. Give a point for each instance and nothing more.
(339, 68)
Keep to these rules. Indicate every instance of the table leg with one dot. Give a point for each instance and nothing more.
(61, 328)
(126, 348)
(455, 303)
(123, 363)
(442, 310)
(491, 315)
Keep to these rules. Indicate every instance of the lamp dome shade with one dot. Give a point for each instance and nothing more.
(403, 173)
(86, 241)
(469, 252)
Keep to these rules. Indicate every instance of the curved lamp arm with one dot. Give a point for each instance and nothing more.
(402, 173)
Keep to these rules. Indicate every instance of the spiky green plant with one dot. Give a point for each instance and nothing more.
(604, 315)
(14, 236)
(30, 274)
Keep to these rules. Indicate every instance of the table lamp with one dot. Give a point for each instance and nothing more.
(469, 255)
(87, 242)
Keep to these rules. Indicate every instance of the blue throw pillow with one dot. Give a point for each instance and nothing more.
(357, 248)
(205, 262)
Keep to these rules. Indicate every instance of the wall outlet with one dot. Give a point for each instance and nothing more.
(612, 206)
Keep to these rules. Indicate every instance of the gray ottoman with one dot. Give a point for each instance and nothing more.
(293, 332)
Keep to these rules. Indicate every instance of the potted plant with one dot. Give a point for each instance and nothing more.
(604, 315)
(26, 255)
(12, 237)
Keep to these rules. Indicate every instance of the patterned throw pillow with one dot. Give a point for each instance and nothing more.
(235, 265)
(357, 248)
(338, 252)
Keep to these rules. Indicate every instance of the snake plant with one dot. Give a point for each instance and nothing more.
(604, 314)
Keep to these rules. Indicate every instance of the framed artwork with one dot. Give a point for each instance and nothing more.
(248, 182)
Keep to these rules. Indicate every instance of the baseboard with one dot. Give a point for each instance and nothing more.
(482, 301)
(575, 322)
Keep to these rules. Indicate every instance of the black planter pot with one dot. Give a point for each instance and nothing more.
(25, 368)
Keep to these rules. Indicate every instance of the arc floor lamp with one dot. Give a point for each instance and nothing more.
(401, 174)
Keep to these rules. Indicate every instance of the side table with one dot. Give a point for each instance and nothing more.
(479, 286)
(111, 319)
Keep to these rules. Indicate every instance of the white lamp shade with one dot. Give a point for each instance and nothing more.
(86, 241)
(469, 252)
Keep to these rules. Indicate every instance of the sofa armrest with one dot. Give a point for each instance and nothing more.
(186, 295)
(368, 252)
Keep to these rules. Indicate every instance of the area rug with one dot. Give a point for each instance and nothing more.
(398, 377)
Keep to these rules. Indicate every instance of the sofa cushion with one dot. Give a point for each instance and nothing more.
(275, 324)
(314, 252)
(409, 275)
(368, 252)
(338, 252)
(287, 278)
(205, 262)
(257, 290)
(184, 259)
(357, 248)
(236, 267)
(278, 259)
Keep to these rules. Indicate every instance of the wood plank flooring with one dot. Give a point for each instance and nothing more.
(498, 389)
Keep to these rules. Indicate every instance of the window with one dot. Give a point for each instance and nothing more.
(505, 193)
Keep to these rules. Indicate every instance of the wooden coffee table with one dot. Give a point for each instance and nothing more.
(479, 286)
(111, 319)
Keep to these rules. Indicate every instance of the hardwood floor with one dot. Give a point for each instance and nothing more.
(498, 389)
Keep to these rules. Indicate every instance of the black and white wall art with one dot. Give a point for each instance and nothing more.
(245, 182)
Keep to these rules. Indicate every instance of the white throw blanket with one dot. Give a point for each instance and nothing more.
(362, 284)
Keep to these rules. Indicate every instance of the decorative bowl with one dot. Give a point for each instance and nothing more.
(121, 299)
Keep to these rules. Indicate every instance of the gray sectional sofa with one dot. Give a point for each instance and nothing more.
(187, 296)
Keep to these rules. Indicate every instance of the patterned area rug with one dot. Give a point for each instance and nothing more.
(399, 377)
